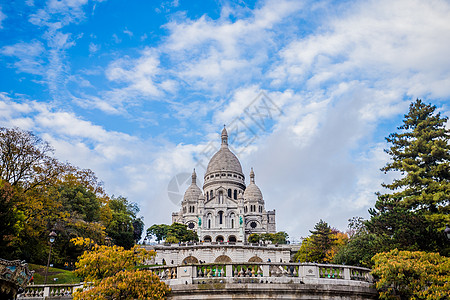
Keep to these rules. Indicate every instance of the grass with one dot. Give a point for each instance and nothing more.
(61, 276)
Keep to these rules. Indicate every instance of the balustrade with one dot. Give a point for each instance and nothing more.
(255, 272)
(50, 291)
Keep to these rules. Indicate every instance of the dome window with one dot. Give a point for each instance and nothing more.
(229, 193)
(235, 194)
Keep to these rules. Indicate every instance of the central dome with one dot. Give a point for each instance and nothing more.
(224, 159)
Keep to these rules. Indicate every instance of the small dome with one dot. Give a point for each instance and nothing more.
(252, 192)
(193, 192)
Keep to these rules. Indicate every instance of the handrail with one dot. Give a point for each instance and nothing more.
(269, 271)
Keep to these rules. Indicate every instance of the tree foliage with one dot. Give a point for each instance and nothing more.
(127, 285)
(100, 261)
(112, 270)
(360, 247)
(321, 246)
(275, 238)
(39, 194)
(412, 275)
(413, 215)
(174, 233)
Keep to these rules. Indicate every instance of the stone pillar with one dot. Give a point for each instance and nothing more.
(185, 274)
(265, 269)
(46, 291)
(347, 273)
(229, 270)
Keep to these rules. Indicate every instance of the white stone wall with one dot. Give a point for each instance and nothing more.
(209, 252)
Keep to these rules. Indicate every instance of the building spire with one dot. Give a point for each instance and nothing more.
(252, 176)
(224, 137)
(194, 177)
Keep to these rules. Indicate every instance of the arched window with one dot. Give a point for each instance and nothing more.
(207, 196)
(184, 209)
(220, 217)
(232, 223)
(209, 224)
(220, 197)
(235, 194)
(211, 194)
(229, 193)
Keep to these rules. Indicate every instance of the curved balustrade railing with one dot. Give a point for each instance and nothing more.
(266, 272)
(229, 273)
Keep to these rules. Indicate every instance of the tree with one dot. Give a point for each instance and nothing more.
(276, 238)
(412, 275)
(24, 158)
(120, 227)
(181, 233)
(112, 270)
(361, 245)
(100, 261)
(319, 245)
(11, 219)
(414, 214)
(127, 285)
(158, 231)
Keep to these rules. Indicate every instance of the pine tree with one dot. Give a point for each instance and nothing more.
(414, 214)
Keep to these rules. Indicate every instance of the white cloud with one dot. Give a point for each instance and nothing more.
(29, 56)
(2, 17)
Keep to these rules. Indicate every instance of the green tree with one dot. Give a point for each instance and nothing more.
(11, 219)
(360, 248)
(158, 231)
(181, 233)
(412, 275)
(120, 227)
(414, 214)
(276, 238)
(319, 245)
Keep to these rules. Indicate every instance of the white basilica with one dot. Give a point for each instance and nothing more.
(227, 210)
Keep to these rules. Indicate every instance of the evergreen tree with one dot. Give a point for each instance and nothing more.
(413, 215)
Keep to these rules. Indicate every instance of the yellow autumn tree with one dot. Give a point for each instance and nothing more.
(127, 285)
(100, 261)
(112, 271)
(412, 275)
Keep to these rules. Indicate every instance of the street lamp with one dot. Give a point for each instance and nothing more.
(447, 232)
(52, 236)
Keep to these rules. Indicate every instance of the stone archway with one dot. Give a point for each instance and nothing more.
(190, 260)
(232, 239)
(207, 239)
(219, 239)
(222, 259)
(255, 259)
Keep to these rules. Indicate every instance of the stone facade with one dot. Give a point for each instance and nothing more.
(226, 209)
(177, 254)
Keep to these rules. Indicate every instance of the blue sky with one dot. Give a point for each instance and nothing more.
(138, 91)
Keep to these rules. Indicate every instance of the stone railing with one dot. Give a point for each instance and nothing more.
(197, 277)
(263, 273)
(59, 291)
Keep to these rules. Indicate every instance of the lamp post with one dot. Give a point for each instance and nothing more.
(52, 236)
(447, 232)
